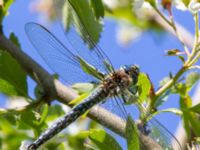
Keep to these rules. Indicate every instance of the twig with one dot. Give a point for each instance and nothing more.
(195, 48)
(172, 24)
(196, 20)
(170, 82)
(194, 67)
(162, 16)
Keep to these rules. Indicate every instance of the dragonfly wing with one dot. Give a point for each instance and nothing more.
(114, 104)
(155, 129)
(162, 135)
(80, 39)
(117, 107)
(59, 58)
(158, 132)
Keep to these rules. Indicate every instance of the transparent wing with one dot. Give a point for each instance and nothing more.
(158, 132)
(155, 129)
(90, 55)
(152, 129)
(81, 41)
(59, 58)
(162, 135)
(114, 104)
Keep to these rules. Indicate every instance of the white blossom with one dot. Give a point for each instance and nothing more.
(140, 4)
(116, 3)
(194, 6)
(1, 2)
(127, 33)
(16, 102)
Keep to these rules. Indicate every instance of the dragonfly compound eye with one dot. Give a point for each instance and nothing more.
(133, 71)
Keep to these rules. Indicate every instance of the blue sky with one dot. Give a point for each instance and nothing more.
(147, 51)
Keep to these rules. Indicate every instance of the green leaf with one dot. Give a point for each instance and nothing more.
(185, 102)
(186, 2)
(83, 87)
(125, 13)
(171, 110)
(89, 147)
(27, 119)
(10, 117)
(98, 8)
(194, 120)
(191, 79)
(176, 52)
(182, 58)
(103, 140)
(9, 134)
(55, 146)
(85, 22)
(181, 89)
(77, 141)
(34, 120)
(4, 9)
(12, 72)
(7, 88)
(190, 119)
(66, 15)
(173, 52)
(39, 91)
(5, 125)
(144, 86)
(152, 2)
(14, 39)
(89, 69)
(196, 108)
(79, 99)
(132, 135)
(55, 111)
(44, 114)
(162, 98)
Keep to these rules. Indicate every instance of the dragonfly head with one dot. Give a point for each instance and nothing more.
(133, 71)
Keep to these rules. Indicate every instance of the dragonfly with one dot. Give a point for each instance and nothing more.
(82, 64)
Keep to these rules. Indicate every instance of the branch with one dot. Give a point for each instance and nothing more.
(54, 89)
(171, 82)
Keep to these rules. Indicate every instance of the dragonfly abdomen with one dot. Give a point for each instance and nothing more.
(95, 97)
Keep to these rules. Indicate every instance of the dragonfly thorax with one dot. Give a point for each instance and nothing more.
(120, 80)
